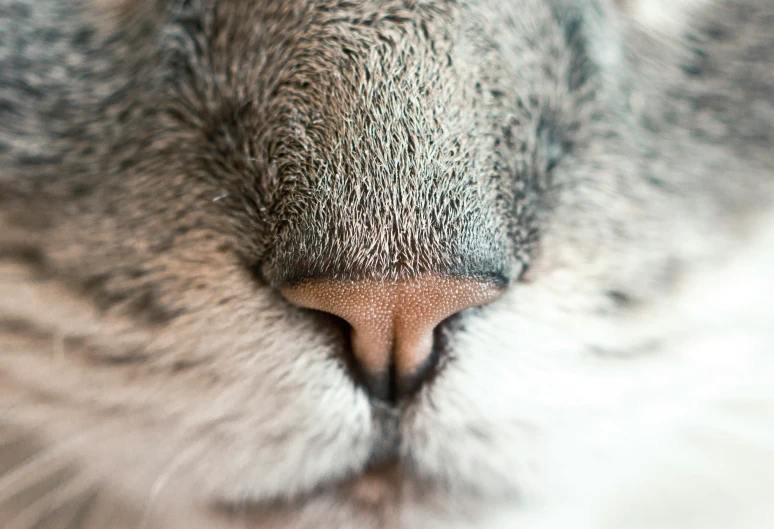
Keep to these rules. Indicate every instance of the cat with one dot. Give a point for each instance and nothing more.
(386, 264)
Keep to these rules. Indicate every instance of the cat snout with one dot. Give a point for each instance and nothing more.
(392, 322)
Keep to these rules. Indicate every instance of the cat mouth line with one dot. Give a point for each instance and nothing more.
(377, 486)
(376, 481)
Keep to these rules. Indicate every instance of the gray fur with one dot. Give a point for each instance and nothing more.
(165, 166)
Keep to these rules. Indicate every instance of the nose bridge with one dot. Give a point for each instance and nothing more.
(373, 321)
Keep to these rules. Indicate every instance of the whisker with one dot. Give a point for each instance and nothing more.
(15, 448)
(100, 512)
(11, 436)
(81, 511)
(163, 479)
(35, 469)
(67, 490)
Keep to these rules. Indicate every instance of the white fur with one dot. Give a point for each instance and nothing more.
(680, 435)
(665, 16)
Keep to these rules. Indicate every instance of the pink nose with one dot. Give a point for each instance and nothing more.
(393, 321)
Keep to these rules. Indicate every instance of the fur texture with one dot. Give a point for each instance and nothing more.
(166, 165)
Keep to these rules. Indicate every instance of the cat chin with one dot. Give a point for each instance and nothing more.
(384, 498)
(390, 484)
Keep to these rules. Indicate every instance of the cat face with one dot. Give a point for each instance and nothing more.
(201, 158)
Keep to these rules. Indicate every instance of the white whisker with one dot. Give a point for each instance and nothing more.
(163, 479)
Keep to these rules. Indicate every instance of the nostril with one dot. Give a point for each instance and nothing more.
(343, 332)
(347, 353)
(380, 385)
(440, 354)
(389, 386)
(394, 324)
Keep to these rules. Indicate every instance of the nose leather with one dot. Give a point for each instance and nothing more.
(393, 321)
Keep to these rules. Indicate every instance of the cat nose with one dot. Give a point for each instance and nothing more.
(392, 322)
